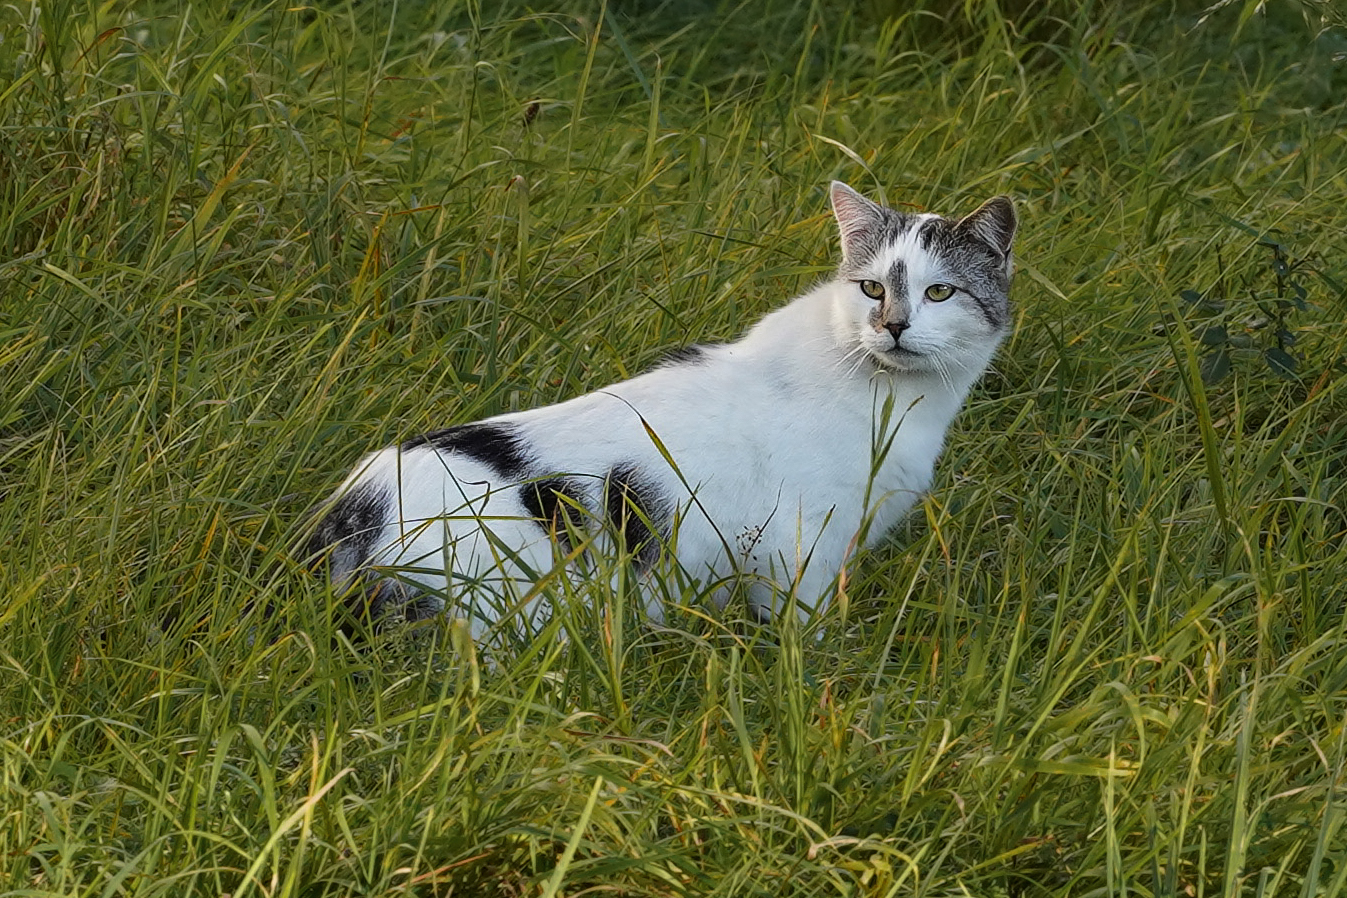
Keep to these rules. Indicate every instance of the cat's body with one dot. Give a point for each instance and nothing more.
(821, 425)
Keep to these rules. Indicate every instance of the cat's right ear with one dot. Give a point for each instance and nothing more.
(858, 219)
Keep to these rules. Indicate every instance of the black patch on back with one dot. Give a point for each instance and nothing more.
(552, 503)
(685, 355)
(351, 528)
(498, 446)
(633, 506)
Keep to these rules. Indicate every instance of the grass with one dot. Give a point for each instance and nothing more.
(238, 248)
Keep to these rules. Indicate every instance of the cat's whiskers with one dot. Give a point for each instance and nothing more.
(858, 352)
(861, 358)
(943, 372)
(821, 338)
(956, 343)
(838, 361)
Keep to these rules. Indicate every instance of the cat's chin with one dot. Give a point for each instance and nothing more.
(899, 359)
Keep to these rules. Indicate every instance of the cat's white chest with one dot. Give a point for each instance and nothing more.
(788, 481)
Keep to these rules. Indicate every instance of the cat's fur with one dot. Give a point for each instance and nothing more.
(817, 430)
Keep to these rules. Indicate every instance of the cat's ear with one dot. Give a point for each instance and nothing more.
(857, 218)
(993, 223)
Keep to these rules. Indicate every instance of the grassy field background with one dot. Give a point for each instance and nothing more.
(241, 244)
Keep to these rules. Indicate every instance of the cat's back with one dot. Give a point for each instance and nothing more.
(783, 386)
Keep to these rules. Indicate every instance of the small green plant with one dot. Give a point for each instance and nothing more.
(1258, 323)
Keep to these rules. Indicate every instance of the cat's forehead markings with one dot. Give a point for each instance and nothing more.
(897, 277)
(942, 240)
(904, 255)
(932, 230)
(894, 225)
(910, 242)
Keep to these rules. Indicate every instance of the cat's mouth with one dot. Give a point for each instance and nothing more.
(899, 357)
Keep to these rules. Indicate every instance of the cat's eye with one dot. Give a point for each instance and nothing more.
(939, 292)
(872, 289)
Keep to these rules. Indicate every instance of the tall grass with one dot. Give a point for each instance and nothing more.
(242, 244)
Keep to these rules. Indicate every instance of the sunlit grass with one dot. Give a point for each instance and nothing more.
(1106, 655)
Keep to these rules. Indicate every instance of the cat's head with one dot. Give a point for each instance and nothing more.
(921, 292)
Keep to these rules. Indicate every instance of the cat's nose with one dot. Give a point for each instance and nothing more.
(896, 328)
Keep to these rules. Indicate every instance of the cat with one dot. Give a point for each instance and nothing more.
(762, 462)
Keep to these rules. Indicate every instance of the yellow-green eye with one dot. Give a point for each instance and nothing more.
(939, 292)
(872, 289)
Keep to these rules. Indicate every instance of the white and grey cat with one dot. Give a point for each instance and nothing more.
(814, 432)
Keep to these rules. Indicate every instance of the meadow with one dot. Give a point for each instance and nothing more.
(243, 243)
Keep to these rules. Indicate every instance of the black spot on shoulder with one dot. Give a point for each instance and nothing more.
(552, 503)
(498, 446)
(685, 355)
(349, 532)
(638, 511)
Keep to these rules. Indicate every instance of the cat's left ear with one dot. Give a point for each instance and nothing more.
(993, 223)
(857, 219)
